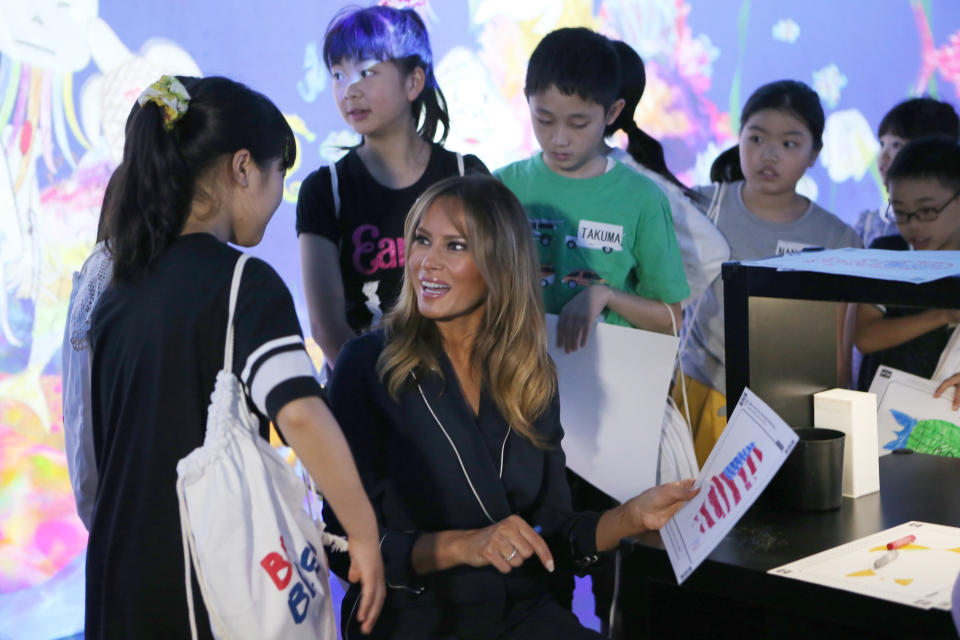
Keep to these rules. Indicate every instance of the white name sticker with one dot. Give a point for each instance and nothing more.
(786, 246)
(598, 235)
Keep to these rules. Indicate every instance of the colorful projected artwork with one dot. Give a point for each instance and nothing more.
(71, 70)
(49, 198)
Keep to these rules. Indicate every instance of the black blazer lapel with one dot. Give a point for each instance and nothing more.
(450, 409)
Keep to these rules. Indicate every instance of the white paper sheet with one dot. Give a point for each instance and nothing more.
(907, 412)
(751, 449)
(922, 575)
(613, 393)
(882, 264)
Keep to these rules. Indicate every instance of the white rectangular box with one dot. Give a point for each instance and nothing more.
(855, 414)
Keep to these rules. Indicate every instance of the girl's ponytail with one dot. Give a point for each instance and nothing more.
(164, 155)
(153, 191)
(647, 151)
(642, 147)
(430, 108)
(726, 167)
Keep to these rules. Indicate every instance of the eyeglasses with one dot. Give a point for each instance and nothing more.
(923, 214)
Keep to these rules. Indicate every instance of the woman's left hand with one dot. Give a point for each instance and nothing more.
(573, 325)
(654, 507)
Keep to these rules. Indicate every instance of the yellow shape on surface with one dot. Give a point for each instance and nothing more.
(903, 581)
(955, 549)
(909, 546)
(861, 574)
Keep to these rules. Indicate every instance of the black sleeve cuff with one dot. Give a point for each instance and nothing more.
(396, 547)
(288, 391)
(583, 540)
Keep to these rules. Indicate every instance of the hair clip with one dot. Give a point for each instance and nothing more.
(170, 95)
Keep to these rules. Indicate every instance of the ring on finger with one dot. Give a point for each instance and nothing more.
(511, 556)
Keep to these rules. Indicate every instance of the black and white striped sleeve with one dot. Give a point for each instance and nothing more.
(270, 356)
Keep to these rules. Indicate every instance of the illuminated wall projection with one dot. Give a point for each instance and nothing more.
(70, 70)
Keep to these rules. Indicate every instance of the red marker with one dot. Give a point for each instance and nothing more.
(900, 542)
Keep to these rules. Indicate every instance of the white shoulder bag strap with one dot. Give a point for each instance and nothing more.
(713, 211)
(713, 214)
(234, 293)
(460, 168)
(189, 549)
(335, 187)
(678, 365)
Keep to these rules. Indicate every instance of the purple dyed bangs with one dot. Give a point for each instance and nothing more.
(377, 33)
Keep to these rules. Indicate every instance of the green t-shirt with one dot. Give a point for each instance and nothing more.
(614, 229)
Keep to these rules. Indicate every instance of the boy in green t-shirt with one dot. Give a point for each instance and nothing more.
(604, 232)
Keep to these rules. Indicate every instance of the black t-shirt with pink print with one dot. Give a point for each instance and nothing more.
(369, 228)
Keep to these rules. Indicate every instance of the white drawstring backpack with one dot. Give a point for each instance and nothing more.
(678, 459)
(257, 554)
(703, 247)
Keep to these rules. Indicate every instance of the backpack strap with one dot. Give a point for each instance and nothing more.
(234, 292)
(460, 168)
(713, 212)
(335, 188)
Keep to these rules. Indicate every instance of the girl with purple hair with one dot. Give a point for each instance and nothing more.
(350, 214)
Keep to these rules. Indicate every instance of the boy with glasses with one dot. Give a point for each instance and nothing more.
(924, 185)
(910, 120)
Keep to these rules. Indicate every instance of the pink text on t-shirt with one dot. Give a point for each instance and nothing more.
(388, 251)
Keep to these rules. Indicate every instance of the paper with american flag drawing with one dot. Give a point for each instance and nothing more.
(753, 446)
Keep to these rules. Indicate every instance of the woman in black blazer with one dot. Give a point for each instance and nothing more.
(453, 417)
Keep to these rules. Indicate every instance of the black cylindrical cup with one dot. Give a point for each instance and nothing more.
(811, 479)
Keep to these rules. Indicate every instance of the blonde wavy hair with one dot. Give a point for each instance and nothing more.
(510, 349)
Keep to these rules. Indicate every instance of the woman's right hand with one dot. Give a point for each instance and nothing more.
(505, 545)
(366, 567)
(953, 382)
